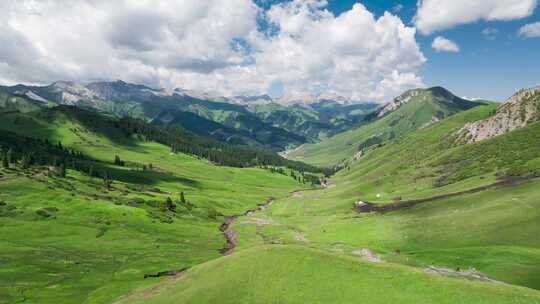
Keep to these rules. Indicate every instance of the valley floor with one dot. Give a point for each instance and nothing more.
(311, 247)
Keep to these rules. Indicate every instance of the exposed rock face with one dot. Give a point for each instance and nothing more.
(71, 93)
(471, 273)
(398, 102)
(368, 255)
(434, 119)
(518, 111)
(358, 155)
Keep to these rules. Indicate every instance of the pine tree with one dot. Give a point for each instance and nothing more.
(25, 161)
(106, 180)
(182, 198)
(9, 155)
(62, 170)
(5, 162)
(118, 161)
(170, 205)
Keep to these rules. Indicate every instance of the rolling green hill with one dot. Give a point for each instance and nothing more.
(78, 238)
(293, 274)
(470, 238)
(413, 110)
(463, 223)
(10, 103)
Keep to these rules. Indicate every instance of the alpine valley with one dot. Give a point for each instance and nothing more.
(113, 192)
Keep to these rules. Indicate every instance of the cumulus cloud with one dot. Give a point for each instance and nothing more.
(211, 45)
(436, 15)
(490, 33)
(441, 44)
(531, 30)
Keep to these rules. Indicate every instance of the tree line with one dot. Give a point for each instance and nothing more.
(31, 151)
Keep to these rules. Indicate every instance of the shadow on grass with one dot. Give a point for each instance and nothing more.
(146, 177)
(99, 123)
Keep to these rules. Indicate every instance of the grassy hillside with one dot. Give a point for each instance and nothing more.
(423, 108)
(74, 240)
(290, 274)
(312, 246)
(231, 127)
(492, 230)
(10, 102)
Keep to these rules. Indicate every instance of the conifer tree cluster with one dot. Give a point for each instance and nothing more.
(181, 140)
(27, 152)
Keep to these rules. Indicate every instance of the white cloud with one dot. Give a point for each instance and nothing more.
(436, 15)
(531, 30)
(210, 46)
(490, 33)
(441, 44)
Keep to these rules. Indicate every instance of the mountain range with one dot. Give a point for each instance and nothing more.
(257, 121)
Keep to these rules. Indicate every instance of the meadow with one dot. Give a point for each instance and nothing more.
(313, 246)
(74, 240)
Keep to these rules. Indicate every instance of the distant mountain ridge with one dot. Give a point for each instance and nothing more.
(236, 119)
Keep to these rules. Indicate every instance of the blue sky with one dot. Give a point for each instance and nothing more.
(486, 68)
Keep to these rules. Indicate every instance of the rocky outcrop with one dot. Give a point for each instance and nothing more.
(398, 102)
(518, 111)
(358, 155)
(470, 273)
(434, 119)
(438, 95)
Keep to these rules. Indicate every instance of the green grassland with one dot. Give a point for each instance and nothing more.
(293, 274)
(494, 232)
(72, 240)
(416, 114)
(305, 248)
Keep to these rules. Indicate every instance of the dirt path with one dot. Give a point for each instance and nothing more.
(371, 207)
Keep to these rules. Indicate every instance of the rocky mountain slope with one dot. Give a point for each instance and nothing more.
(521, 109)
(21, 103)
